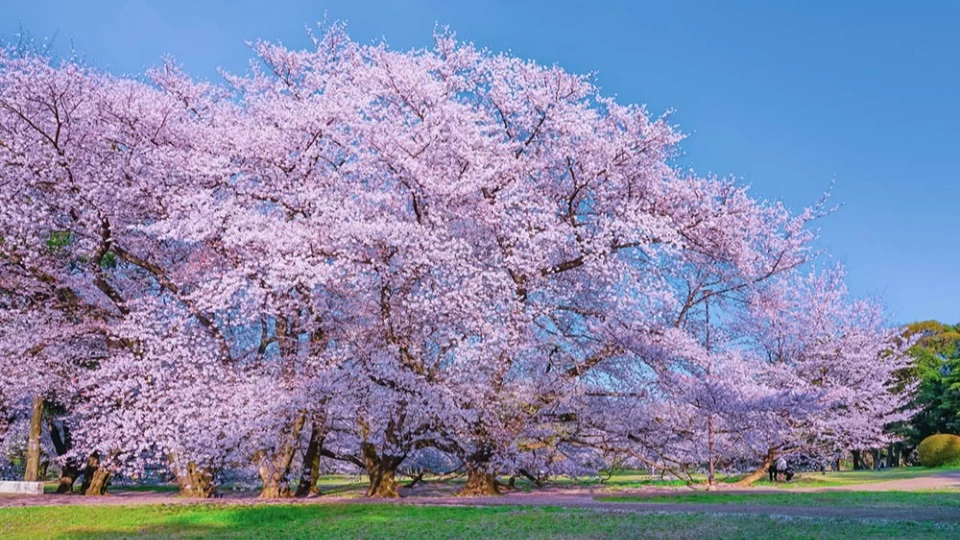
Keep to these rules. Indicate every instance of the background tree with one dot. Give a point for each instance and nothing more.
(935, 370)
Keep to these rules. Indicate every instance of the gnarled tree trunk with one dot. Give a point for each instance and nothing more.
(95, 477)
(760, 472)
(195, 482)
(275, 470)
(382, 472)
(481, 480)
(480, 483)
(311, 464)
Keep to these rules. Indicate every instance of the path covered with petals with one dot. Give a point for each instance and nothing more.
(578, 498)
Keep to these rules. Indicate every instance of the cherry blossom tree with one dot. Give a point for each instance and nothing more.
(843, 353)
(366, 255)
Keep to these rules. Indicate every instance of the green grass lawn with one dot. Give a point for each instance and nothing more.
(626, 479)
(846, 478)
(884, 499)
(378, 521)
(629, 479)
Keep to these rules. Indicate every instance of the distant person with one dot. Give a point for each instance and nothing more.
(781, 466)
(788, 473)
(772, 469)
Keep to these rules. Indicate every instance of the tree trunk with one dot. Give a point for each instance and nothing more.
(857, 460)
(274, 475)
(95, 477)
(62, 443)
(383, 483)
(537, 481)
(195, 482)
(710, 460)
(275, 470)
(382, 472)
(760, 472)
(416, 479)
(68, 475)
(480, 483)
(32, 471)
(98, 483)
(311, 464)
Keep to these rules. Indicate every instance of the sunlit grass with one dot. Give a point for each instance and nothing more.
(396, 521)
(882, 499)
(636, 479)
(848, 478)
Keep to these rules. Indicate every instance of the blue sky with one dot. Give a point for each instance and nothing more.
(786, 96)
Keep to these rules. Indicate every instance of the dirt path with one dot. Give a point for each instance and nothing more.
(571, 498)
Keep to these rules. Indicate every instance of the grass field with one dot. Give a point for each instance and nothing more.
(880, 499)
(377, 521)
(341, 520)
(639, 479)
(847, 478)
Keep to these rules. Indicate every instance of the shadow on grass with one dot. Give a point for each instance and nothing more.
(852, 499)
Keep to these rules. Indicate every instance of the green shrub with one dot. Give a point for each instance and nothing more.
(939, 450)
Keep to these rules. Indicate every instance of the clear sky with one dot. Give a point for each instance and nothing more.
(787, 96)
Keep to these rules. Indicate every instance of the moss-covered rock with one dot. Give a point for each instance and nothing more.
(939, 450)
